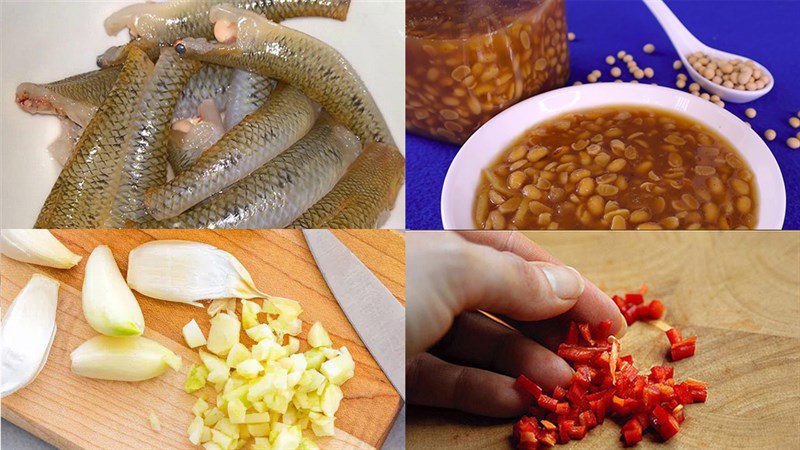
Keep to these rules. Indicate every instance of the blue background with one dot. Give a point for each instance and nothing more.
(766, 31)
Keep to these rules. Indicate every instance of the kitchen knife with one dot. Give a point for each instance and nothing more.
(375, 314)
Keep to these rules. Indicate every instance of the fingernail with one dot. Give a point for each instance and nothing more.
(565, 281)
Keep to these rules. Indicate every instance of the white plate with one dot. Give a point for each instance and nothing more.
(483, 147)
(43, 41)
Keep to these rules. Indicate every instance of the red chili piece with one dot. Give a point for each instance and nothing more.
(633, 308)
(642, 402)
(683, 349)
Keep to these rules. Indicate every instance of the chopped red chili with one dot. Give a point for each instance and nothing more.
(529, 386)
(674, 336)
(632, 432)
(683, 349)
(664, 423)
(572, 334)
(603, 330)
(586, 332)
(606, 383)
(559, 393)
(661, 373)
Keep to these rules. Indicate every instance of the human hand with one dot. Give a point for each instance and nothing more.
(458, 357)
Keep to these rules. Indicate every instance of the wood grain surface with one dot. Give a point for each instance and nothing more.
(739, 292)
(72, 412)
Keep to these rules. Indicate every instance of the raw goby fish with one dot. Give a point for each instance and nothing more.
(278, 192)
(166, 22)
(190, 137)
(364, 196)
(84, 192)
(145, 151)
(248, 92)
(259, 45)
(76, 97)
(287, 117)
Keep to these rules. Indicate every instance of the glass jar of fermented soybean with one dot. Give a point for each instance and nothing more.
(467, 60)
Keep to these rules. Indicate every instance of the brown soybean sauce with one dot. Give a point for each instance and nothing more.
(467, 60)
(618, 167)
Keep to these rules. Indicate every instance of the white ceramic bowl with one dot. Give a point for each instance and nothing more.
(483, 147)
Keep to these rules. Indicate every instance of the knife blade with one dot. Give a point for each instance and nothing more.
(376, 315)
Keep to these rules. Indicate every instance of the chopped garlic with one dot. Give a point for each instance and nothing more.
(238, 354)
(331, 397)
(321, 424)
(250, 312)
(269, 393)
(216, 306)
(339, 369)
(155, 424)
(196, 430)
(196, 379)
(236, 411)
(314, 358)
(249, 368)
(193, 334)
(200, 406)
(223, 334)
(260, 332)
(281, 306)
(258, 429)
(318, 337)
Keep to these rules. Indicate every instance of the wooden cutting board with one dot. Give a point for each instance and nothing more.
(739, 292)
(72, 412)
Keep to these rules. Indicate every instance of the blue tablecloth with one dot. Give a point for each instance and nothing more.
(766, 31)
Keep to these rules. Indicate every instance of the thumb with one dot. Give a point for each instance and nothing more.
(448, 275)
(504, 283)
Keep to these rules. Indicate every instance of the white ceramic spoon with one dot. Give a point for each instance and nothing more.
(686, 44)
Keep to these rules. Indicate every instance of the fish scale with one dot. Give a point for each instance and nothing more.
(279, 191)
(145, 152)
(364, 194)
(84, 191)
(286, 118)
